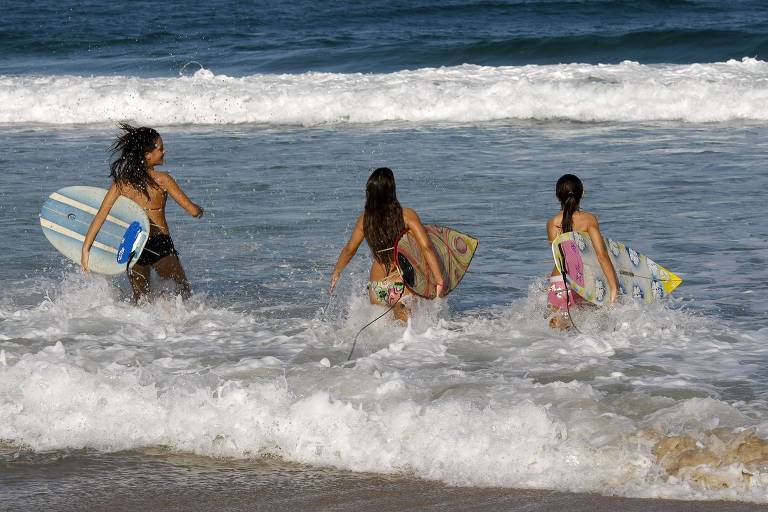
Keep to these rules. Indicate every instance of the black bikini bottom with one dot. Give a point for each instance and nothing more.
(158, 247)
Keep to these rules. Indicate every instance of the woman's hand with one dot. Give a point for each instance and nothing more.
(84, 261)
(439, 289)
(334, 278)
(199, 213)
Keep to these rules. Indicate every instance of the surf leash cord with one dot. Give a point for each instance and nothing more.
(354, 342)
(564, 271)
(128, 269)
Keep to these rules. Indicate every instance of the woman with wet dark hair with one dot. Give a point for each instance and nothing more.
(380, 225)
(134, 176)
(569, 191)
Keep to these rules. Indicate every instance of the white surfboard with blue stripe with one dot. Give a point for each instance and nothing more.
(67, 214)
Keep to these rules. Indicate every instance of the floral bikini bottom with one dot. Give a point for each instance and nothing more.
(386, 292)
(560, 297)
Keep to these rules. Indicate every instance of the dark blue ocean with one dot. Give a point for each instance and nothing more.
(273, 115)
(243, 38)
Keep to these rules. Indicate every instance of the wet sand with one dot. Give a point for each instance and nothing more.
(131, 481)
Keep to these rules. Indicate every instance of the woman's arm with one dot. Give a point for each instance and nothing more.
(109, 199)
(413, 223)
(348, 251)
(178, 195)
(602, 257)
(553, 230)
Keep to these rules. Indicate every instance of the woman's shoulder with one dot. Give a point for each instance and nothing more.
(553, 226)
(410, 216)
(162, 178)
(585, 216)
(161, 175)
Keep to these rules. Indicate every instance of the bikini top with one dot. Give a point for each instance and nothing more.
(165, 198)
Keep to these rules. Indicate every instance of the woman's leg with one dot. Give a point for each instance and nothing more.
(139, 278)
(401, 312)
(170, 267)
(558, 321)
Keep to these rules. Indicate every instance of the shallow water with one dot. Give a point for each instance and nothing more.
(477, 390)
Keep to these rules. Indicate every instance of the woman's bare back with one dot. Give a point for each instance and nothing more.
(154, 206)
(582, 221)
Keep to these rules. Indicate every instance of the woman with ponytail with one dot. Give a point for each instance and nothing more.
(569, 191)
(382, 222)
(134, 176)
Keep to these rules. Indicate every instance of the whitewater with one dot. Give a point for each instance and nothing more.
(471, 400)
(625, 92)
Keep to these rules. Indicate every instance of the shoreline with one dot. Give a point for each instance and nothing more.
(128, 481)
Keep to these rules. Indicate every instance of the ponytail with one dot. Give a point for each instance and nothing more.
(568, 190)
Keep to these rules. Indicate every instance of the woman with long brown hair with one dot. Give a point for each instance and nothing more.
(139, 150)
(381, 223)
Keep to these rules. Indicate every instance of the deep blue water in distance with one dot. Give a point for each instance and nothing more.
(239, 38)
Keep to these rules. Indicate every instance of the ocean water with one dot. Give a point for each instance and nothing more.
(273, 116)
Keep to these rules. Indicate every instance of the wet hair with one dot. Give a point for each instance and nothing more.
(130, 168)
(569, 191)
(383, 218)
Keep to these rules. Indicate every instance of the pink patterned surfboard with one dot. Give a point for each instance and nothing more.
(638, 275)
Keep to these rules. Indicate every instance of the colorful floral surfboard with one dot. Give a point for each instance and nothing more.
(454, 251)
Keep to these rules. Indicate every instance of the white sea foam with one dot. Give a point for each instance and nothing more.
(496, 399)
(726, 91)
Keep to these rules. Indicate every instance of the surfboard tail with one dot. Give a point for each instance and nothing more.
(673, 282)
